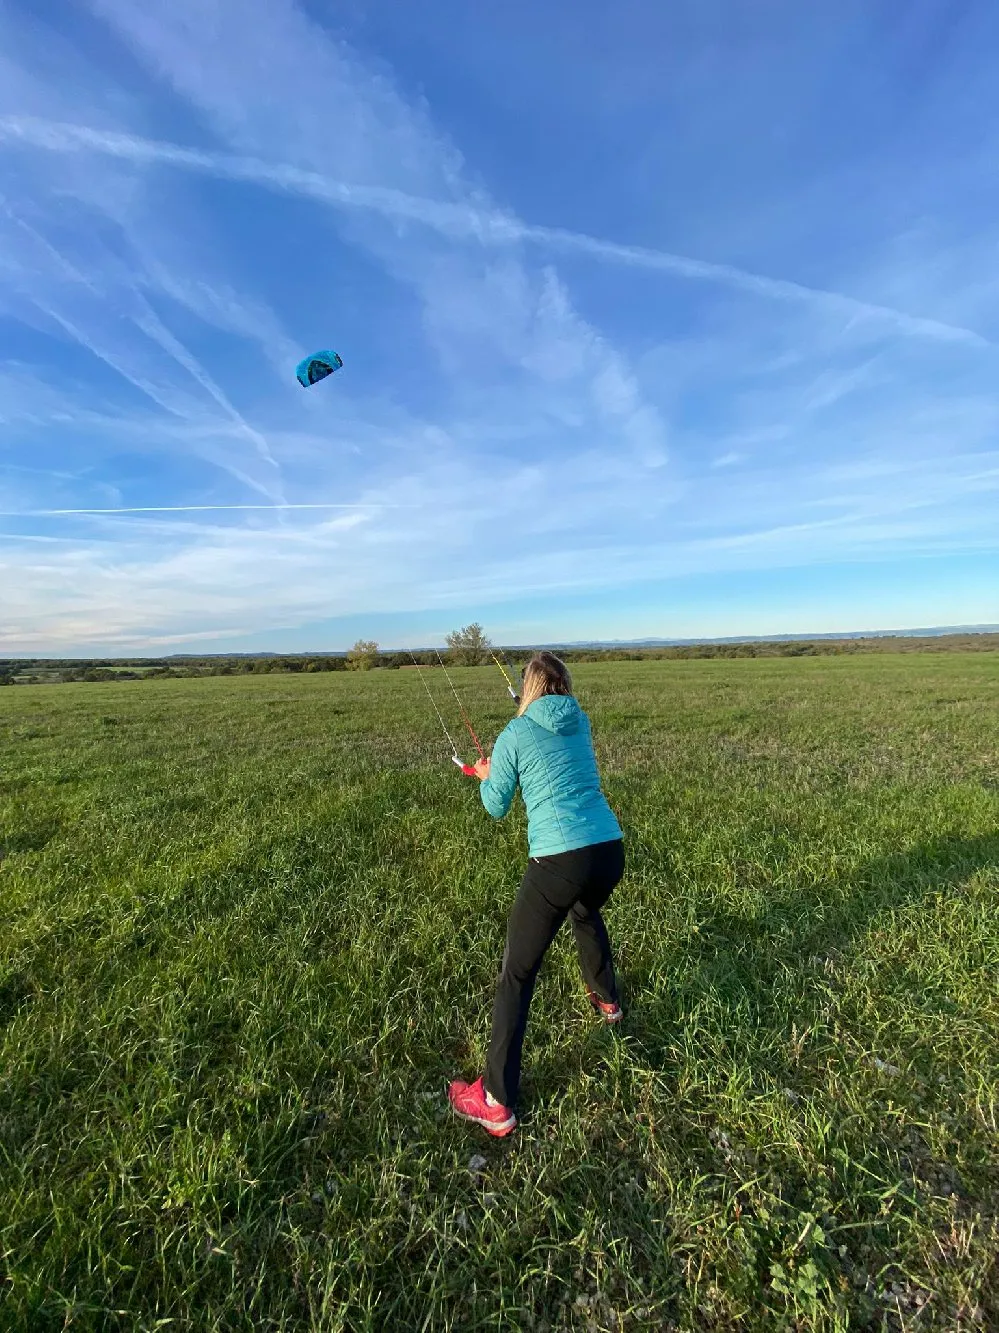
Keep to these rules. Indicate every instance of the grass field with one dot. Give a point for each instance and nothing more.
(249, 928)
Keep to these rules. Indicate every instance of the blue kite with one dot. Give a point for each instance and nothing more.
(316, 367)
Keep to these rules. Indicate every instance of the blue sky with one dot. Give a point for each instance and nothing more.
(667, 320)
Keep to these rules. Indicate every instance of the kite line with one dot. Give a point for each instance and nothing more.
(465, 768)
(506, 676)
(461, 708)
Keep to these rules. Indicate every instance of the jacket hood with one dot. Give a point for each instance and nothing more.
(559, 713)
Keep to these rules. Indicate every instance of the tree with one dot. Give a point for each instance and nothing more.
(468, 646)
(363, 656)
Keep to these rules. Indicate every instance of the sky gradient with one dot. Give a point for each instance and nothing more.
(667, 321)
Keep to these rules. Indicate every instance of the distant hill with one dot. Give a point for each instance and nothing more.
(936, 631)
(935, 639)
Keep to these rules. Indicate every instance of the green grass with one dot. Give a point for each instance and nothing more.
(249, 928)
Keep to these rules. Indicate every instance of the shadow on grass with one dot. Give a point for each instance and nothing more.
(756, 962)
(34, 837)
(314, 1185)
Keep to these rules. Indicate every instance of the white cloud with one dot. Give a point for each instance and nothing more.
(140, 577)
(531, 455)
(107, 311)
(471, 220)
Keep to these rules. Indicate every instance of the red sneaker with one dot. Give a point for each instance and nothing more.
(469, 1101)
(610, 1013)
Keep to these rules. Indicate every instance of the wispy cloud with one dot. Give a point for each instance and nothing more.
(512, 422)
(120, 589)
(110, 315)
(187, 509)
(489, 227)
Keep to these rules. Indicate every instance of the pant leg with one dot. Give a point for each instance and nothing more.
(592, 940)
(534, 923)
(594, 950)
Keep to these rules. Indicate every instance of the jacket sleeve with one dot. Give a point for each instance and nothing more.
(498, 790)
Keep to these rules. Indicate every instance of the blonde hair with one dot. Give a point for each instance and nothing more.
(544, 674)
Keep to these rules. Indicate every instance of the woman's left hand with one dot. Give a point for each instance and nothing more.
(482, 770)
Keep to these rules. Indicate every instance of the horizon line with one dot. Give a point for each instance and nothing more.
(924, 631)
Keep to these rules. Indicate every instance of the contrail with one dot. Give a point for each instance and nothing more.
(488, 226)
(638, 256)
(189, 509)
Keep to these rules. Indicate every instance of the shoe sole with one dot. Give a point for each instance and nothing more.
(605, 1017)
(498, 1129)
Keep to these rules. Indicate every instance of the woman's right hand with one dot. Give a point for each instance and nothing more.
(482, 770)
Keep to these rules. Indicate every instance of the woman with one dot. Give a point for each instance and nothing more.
(576, 859)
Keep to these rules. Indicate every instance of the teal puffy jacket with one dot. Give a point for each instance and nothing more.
(549, 751)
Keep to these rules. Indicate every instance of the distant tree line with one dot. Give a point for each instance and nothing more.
(466, 647)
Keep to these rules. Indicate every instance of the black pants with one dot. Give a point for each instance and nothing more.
(574, 884)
